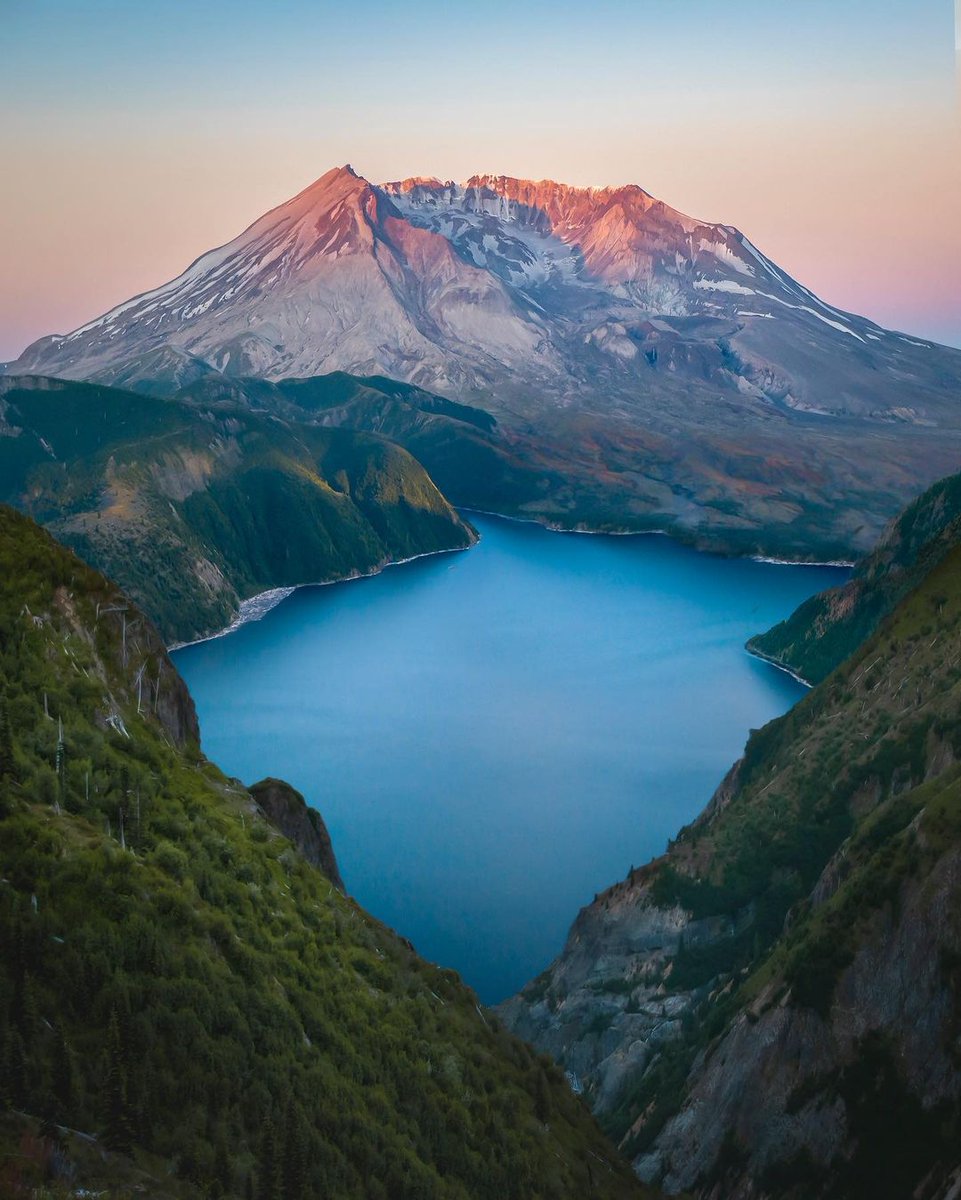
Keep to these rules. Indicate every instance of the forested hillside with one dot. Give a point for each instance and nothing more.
(193, 509)
(188, 1007)
(827, 628)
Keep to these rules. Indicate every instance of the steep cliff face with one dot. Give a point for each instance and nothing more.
(287, 810)
(61, 598)
(772, 1008)
(158, 687)
(847, 1082)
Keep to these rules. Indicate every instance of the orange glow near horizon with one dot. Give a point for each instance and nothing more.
(847, 173)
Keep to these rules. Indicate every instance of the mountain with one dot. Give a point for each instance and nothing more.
(829, 626)
(772, 1009)
(188, 1006)
(660, 371)
(194, 508)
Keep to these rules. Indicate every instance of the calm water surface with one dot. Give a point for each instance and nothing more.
(494, 736)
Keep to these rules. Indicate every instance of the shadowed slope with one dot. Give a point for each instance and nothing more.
(196, 508)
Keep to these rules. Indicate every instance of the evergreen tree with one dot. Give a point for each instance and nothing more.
(24, 1007)
(5, 1100)
(7, 766)
(14, 1070)
(267, 1176)
(295, 1154)
(543, 1100)
(118, 1134)
(223, 1170)
(63, 1081)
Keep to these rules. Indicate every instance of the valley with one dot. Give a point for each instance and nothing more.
(206, 992)
(493, 736)
(771, 1007)
(480, 601)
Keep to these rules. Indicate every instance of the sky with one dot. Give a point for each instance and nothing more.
(136, 136)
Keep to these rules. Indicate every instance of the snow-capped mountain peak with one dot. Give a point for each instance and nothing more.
(461, 286)
(645, 368)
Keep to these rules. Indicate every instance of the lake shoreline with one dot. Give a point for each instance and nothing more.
(256, 607)
(773, 662)
(553, 527)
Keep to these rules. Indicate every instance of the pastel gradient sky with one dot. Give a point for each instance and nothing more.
(135, 136)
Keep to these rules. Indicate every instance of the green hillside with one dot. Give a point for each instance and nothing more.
(188, 1007)
(193, 509)
(827, 628)
(468, 456)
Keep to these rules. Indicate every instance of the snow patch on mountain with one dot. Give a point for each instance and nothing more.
(723, 285)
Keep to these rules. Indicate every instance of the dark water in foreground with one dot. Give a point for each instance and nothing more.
(493, 736)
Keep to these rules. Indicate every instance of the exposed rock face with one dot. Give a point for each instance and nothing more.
(129, 659)
(665, 371)
(785, 1082)
(288, 811)
(158, 687)
(773, 1009)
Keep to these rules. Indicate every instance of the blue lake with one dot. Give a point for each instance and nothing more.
(494, 736)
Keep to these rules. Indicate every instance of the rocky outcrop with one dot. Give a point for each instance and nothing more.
(155, 682)
(287, 810)
(861, 1089)
(606, 1004)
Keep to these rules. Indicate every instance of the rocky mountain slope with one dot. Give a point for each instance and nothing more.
(830, 626)
(665, 372)
(195, 507)
(773, 1008)
(188, 1007)
(287, 810)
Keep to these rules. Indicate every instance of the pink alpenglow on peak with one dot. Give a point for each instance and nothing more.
(451, 285)
(669, 352)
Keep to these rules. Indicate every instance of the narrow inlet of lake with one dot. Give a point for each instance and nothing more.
(493, 736)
